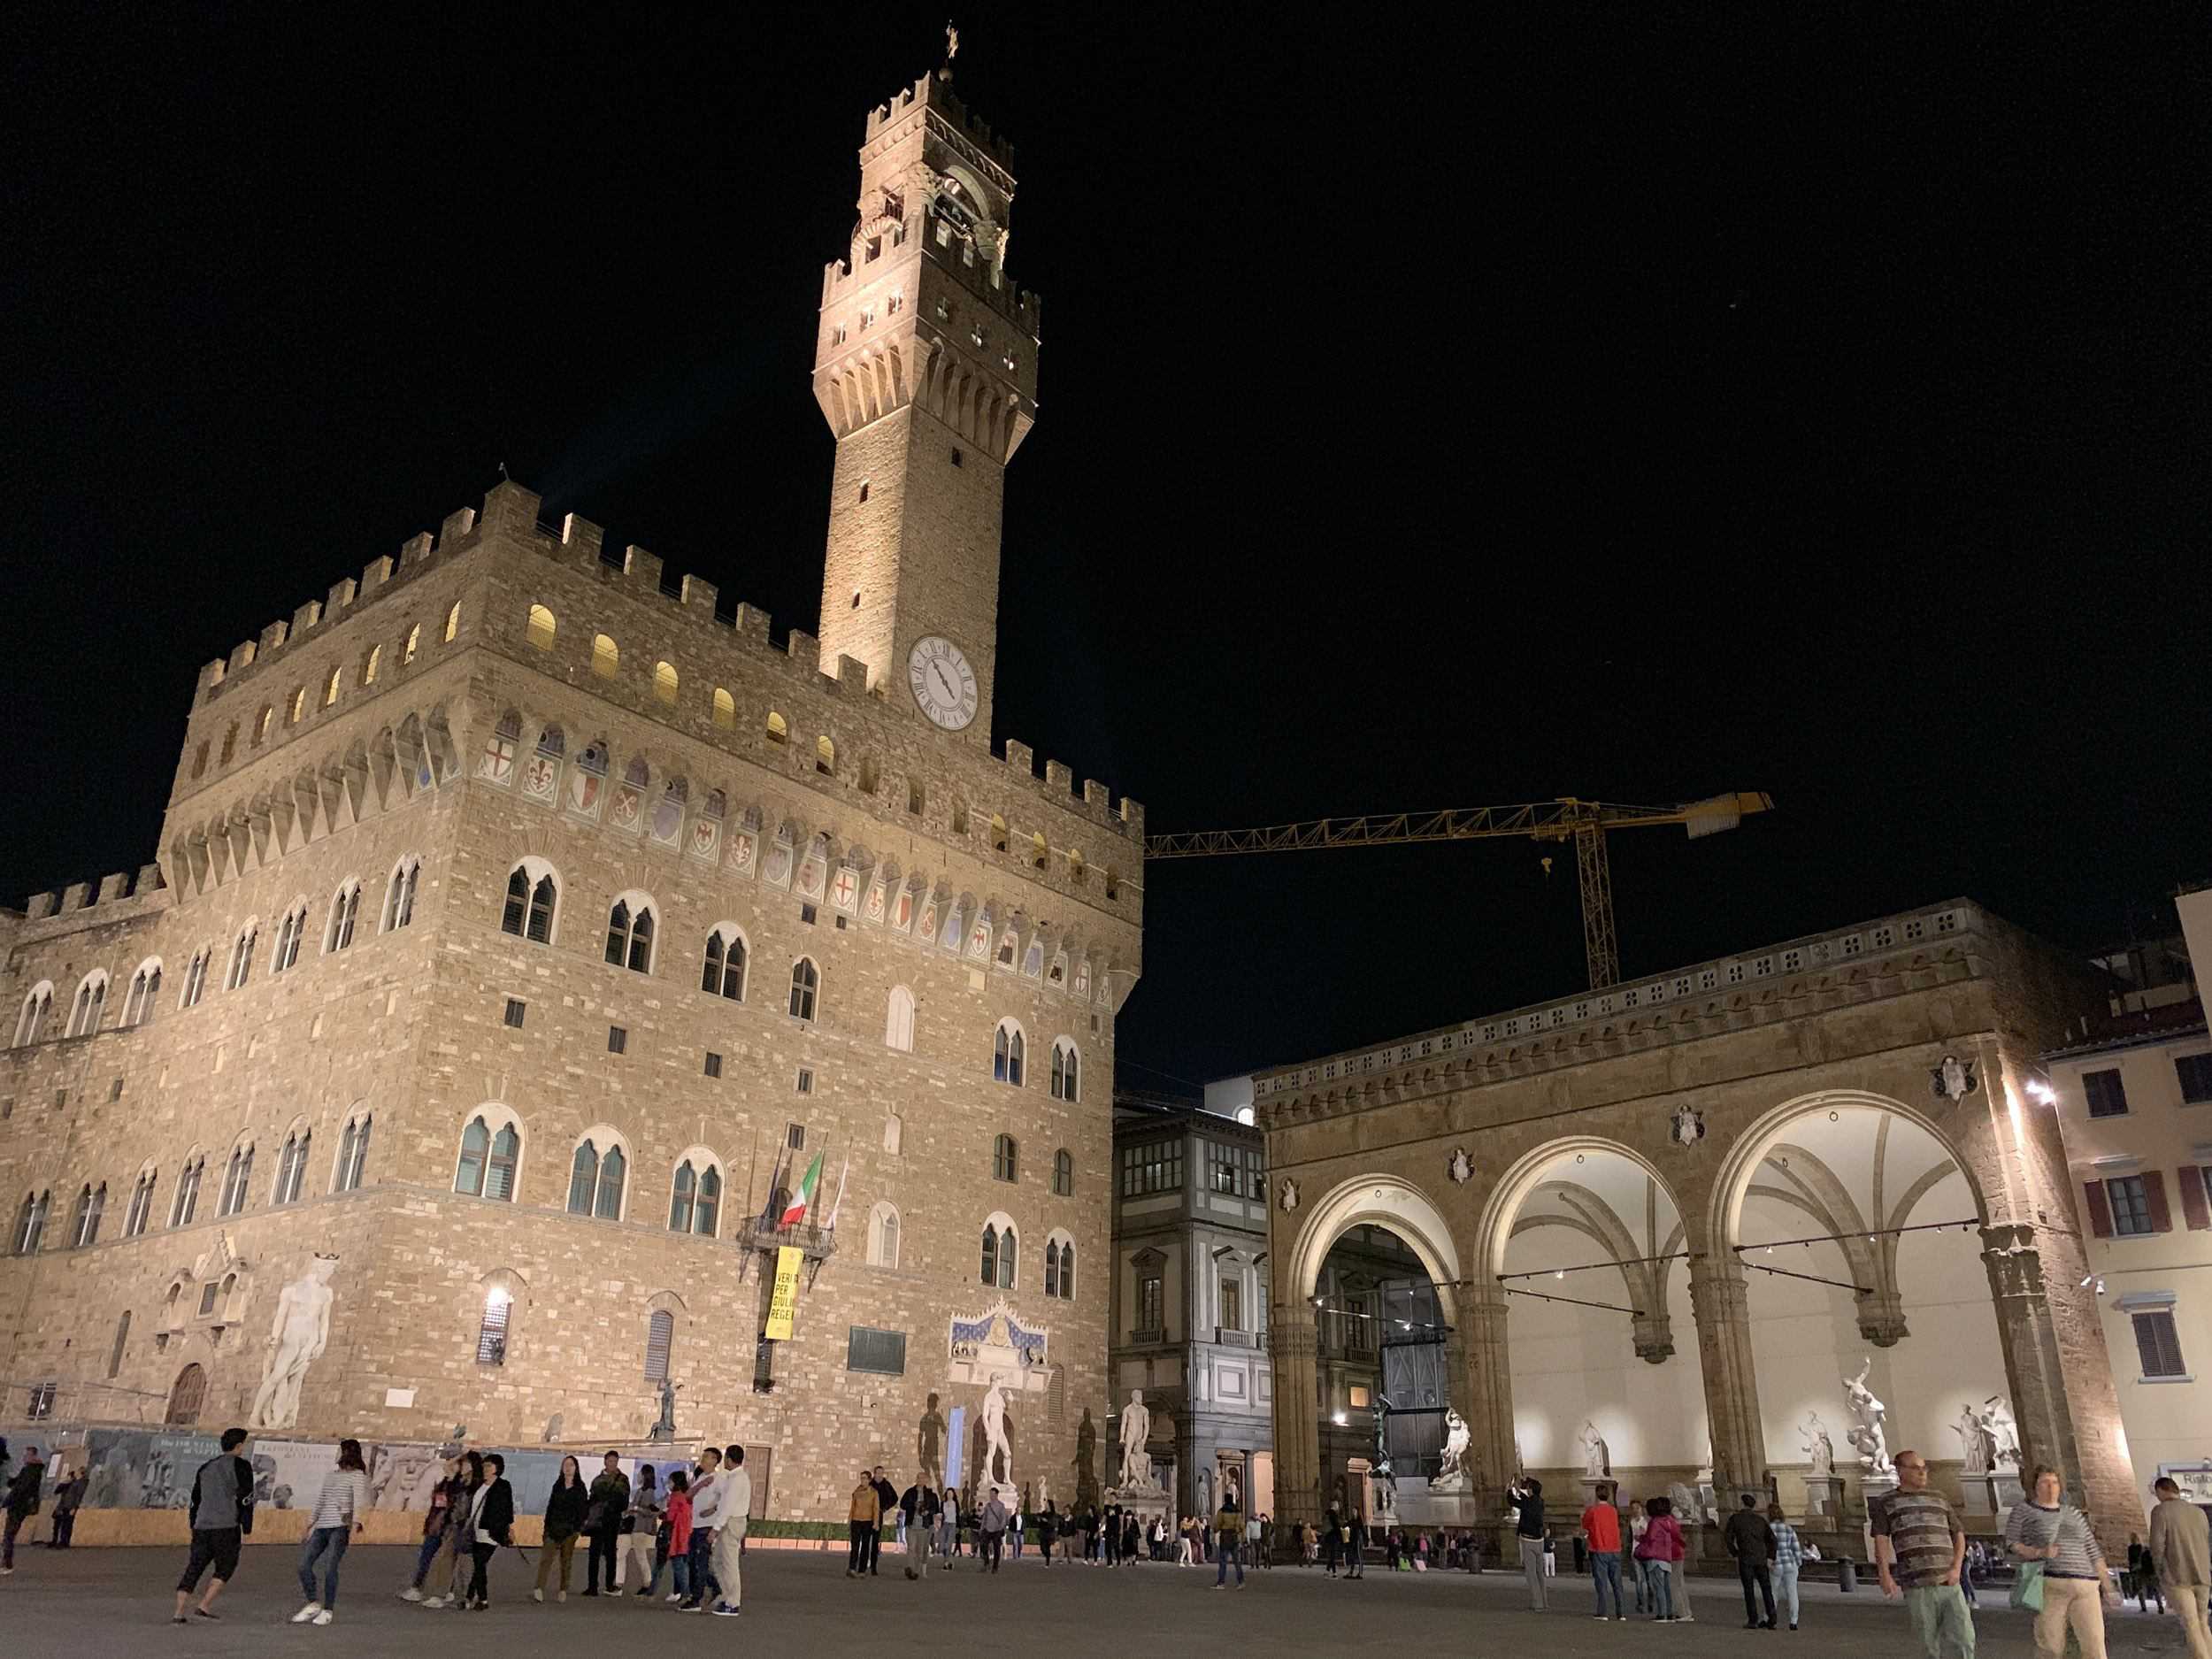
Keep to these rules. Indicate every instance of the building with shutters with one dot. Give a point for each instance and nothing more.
(531, 931)
(2133, 1096)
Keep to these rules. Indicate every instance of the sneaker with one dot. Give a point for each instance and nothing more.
(592, 1591)
(180, 1619)
(643, 1590)
(307, 1612)
(434, 1600)
(324, 1618)
(723, 1611)
(691, 1607)
(537, 1595)
(413, 1592)
(563, 1595)
(675, 1596)
(201, 1612)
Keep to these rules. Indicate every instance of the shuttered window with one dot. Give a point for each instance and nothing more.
(2130, 1205)
(491, 1336)
(2159, 1344)
(660, 1331)
(2194, 1072)
(2107, 1096)
(883, 1352)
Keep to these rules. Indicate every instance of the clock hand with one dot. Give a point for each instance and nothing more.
(941, 681)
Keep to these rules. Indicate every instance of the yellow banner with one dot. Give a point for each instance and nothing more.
(785, 1302)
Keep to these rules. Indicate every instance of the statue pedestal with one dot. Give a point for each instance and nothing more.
(1992, 1493)
(1146, 1502)
(1824, 1497)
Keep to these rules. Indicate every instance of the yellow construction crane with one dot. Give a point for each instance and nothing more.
(1582, 822)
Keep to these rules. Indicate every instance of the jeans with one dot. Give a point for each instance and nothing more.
(2071, 1603)
(323, 1540)
(1605, 1571)
(992, 1544)
(1532, 1570)
(875, 1546)
(65, 1526)
(1785, 1589)
(1662, 1576)
(1639, 1573)
(7, 1538)
(1227, 1552)
(702, 1562)
(1754, 1571)
(1939, 1609)
(431, 1545)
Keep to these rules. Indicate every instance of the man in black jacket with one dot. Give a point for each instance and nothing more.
(1751, 1541)
(922, 1508)
(886, 1502)
(22, 1503)
(222, 1514)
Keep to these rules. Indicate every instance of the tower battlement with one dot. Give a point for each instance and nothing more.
(935, 92)
(984, 278)
(109, 891)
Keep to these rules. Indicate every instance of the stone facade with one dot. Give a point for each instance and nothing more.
(508, 699)
(1691, 1076)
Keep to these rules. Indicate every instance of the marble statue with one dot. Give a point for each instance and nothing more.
(1866, 1433)
(1451, 1465)
(2004, 1434)
(1205, 1494)
(664, 1429)
(1380, 1467)
(551, 1433)
(1970, 1430)
(929, 1446)
(1597, 1458)
(1688, 1509)
(301, 1332)
(1819, 1446)
(1136, 1429)
(998, 1451)
(1086, 1447)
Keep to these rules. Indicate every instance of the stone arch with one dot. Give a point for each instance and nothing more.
(1526, 1174)
(1387, 1201)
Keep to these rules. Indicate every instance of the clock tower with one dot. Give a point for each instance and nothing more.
(925, 368)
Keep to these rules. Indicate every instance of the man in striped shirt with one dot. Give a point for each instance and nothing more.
(1920, 1547)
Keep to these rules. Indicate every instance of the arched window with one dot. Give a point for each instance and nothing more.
(186, 1201)
(32, 1021)
(825, 756)
(893, 1133)
(898, 1023)
(288, 942)
(606, 656)
(186, 1396)
(998, 834)
(399, 893)
(1000, 1250)
(30, 1223)
(353, 1154)
(242, 958)
(1063, 1173)
(369, 668)
(195, 978)
(725, 710)
(694, 1199)
(777, 731)
(199, 760)
(491, 1332)
(330, 687)
(1038, 855)
(140, 1005)
(237, 1177)
(630, 936)
(84, 1226)
(299, 705)
(1007, 1052)
(724, 974)
(414, 644)
(664, 682)
(531, 894)
(1052, 1268)
(1064, 1074)
(262, 722)
(489, 1158)
(595, 1180)
(122, 1336)
(345, 910)
(90, 1002)
(660, 1336)
(230, 745)
(291, 1167)
(541, 628)
(1067, 1273)
(805, 982)
(452, 622)
(141, 1211)
(883, 1237)
(1005, 1159)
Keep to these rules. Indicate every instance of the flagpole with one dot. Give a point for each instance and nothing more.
(843, 1170)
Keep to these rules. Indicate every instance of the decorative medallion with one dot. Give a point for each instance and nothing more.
(1290, 1195)
(1689, 1126)
(1461, 1166)
(1954, 1079)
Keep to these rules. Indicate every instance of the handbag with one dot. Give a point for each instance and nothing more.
(2027, 1587)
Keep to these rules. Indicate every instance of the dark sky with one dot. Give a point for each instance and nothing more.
(1633, 403)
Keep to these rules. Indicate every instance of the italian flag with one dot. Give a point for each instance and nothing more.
(796, 1212)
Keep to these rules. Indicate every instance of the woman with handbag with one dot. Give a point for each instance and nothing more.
(2062, 1575)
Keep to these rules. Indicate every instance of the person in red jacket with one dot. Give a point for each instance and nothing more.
(1662, 1550)
(1602, 1531)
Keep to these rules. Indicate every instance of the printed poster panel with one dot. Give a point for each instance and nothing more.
(785, 1301)
(289, 1474)
(143, 1469)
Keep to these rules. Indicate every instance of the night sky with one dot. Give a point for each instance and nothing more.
(1633, 402)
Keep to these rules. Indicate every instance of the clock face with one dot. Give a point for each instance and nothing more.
(942, 682)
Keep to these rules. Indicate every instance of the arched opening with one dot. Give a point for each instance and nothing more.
(187, 1394)
(1858, 1229)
